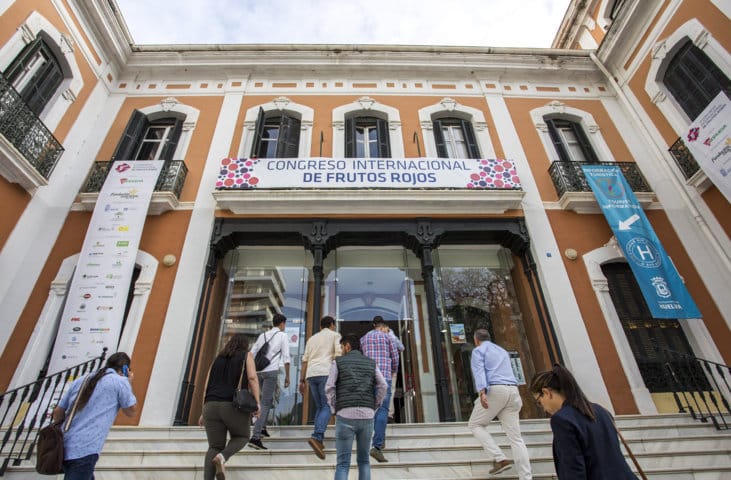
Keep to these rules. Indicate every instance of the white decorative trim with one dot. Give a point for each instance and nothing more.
(305, 114)
(449, 107)
(63, 47)
(662, 54)
(41, 340)
(69, 95)
(392, 115)
(168, 103)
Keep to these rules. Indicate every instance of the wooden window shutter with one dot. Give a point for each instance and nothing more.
(384, 143)
(439, 139)
(171, 142)
(258, 133)
(349, 137)
(289, 137)
(40, 89)
(586, 147)
(469, 136)
(563, 154)
(132, 137)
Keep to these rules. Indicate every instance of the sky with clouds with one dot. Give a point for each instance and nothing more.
(487, 23)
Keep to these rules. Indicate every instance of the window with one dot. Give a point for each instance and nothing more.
(36, 74)
(694, 80)
(366, 137)
(149, 140)
(455, 139)
(570, 141)
(277, 136)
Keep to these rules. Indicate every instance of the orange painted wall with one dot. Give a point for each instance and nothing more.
(535, 152)
(162, 235)
(15, 199)
(197, 153)
(9, 23)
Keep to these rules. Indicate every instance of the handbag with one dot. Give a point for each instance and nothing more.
(49, 452)
(244, 401)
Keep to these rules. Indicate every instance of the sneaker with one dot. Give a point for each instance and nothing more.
(501, 466)
(256, 444)
(264, 433)
(378, 455)
(218, 462)
(318, 447)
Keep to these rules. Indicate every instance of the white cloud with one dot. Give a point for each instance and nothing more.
(489, 23)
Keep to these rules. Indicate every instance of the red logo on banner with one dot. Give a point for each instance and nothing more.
(122, 167)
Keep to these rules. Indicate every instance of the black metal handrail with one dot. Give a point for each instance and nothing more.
(700, 387)
(683, 158)
(172, 177)
(26, 132)
(26, 409)
(569, 177)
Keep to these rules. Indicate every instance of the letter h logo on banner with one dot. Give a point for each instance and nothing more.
(659, 281)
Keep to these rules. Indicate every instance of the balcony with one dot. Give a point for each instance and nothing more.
(574, 193)
(166, 195)
(688, 166)
(28, 150)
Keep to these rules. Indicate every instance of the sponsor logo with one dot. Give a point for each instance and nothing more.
(117, 264)
(130, 180)
(75, 319)
(92, 264)
(95, 254)
(99, 329)
(693, 134)
(86, 296)
(104, 307)
(132, 194)
(111, 276)
(123, 228)
(123, 253)
(105, 229)
(108, 296)
(82, 306)
(122, 167)
(109, 287)
(89, 287)
(661, 287)
(98, 245)
(76, 329)
(123, 243)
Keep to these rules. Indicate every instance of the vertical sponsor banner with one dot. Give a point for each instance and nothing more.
(96, 299)
(709, 140)
(659, 281)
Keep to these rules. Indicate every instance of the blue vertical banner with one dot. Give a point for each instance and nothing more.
(659, 281)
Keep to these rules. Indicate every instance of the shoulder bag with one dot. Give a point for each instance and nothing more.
(244, 401)
(49, 454)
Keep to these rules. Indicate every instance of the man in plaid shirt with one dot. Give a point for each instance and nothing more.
(378, 346)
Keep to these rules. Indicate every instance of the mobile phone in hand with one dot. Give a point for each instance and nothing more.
(125, 370)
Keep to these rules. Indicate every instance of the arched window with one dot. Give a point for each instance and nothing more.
(366, 137)
(277, 135)
(146, 139)
(455, 138)
(36, 74)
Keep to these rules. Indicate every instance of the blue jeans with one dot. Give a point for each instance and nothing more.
(381, 419)
(322, 409)
(346, 429)
(80, 468)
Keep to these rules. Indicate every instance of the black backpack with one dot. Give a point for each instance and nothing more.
(260, 359)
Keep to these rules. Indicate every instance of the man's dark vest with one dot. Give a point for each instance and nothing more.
(356, 381)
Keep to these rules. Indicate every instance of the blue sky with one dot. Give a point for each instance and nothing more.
(489, 23)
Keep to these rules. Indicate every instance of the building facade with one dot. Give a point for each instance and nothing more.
(305, 180)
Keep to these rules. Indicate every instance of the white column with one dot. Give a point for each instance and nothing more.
(572, 336)
(172, 352)
(28, 246)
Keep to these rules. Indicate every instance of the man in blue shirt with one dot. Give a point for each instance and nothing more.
(499, 397)
(105, 393)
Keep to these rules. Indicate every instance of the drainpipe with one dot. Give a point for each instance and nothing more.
(644, 130)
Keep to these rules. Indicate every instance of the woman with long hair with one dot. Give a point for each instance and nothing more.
(219, 415)
(101, 395)
(585, 442)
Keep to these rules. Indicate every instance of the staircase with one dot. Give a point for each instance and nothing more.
(669, 447)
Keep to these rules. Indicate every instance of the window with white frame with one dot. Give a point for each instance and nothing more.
(366, 137)
(570, 141)
(36, 74)
(146, 139)
(277, 135)
(455, 138)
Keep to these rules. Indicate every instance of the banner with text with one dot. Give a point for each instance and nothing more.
(709, 141)
(96, 298)
(659, 281)
(333, 173)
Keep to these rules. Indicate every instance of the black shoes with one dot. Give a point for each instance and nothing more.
(256, 444)
(264, 432)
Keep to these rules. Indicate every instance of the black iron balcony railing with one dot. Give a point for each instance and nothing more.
(569, 177)
(700, 387)
(172, 177)
(26, 132)
(24, 410)
(683, 158)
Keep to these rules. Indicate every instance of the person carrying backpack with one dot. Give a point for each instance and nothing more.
(270, 351)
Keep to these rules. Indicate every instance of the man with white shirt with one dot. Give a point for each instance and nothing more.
(320, 351)
(278, 355)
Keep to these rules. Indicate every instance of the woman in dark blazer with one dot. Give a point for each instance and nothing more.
(585, 442)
